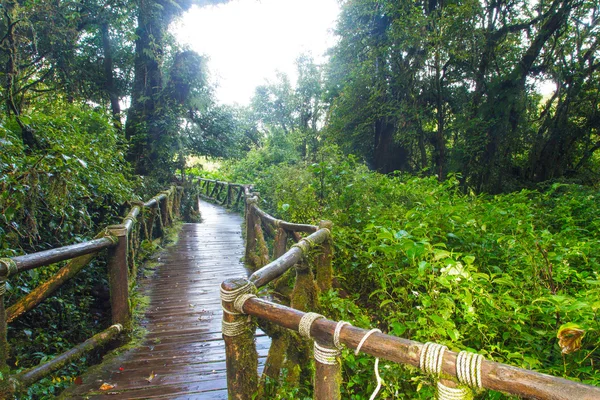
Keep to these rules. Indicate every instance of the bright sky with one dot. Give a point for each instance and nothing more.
(248, 40)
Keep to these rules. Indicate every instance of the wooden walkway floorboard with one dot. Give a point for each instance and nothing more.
(183, 354)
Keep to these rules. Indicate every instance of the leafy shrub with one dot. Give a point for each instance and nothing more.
(57, 195)
(496, 274)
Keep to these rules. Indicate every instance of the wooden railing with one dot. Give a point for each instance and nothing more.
(144, 221)
(311, 258)
(223, 193)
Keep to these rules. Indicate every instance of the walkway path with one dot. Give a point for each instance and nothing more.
(183, 355)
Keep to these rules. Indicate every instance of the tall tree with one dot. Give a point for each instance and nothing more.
(152, 124)
(451, 86)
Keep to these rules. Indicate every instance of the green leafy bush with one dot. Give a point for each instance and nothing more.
(62, 193)
(423, 260)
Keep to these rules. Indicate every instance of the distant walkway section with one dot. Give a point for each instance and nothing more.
(183, 355)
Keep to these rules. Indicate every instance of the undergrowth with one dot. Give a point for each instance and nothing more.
(423, 260)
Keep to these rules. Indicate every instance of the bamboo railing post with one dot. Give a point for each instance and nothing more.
(240, 348)
(118, 277)
(151, 223)
(179, 197)
(250, 231)
(221, 187)
(328, 377)
(228, 203)
(324, 269)
(9, 267)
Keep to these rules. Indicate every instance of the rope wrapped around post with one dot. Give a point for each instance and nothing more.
(238, 335)
(11, 268)
(238, 297)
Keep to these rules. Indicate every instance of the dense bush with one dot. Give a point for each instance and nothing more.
(60, 194)
(423, 260)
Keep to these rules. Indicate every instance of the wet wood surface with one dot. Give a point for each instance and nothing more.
(183, 354)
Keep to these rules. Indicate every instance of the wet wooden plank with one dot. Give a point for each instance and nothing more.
(183, 354)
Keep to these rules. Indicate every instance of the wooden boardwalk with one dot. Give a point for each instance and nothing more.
(183, 354)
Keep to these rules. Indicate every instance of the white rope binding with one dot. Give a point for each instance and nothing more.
(235, 328)
(430, 360)
(337, 332)
(229, 296)
(325, 355)
(238, 304)
(447, 393)
(468, 369)
(376, 367)
(306, 322)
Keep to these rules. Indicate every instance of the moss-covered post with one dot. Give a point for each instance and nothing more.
(118, 277)
(239, 195)
(324, 268)
(240, 349)
(305, 297)
(151, 222)
(280, 245)
(164, 211)
(263, 250)
(7, 268)
(328, 373)
(177, 203)
(228, 202)
(250, 231)
(275, 358)
(212, 193)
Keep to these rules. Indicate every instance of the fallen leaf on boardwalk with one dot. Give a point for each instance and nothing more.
(151, 377)
(121, 369)
(78, 381)
(107, 386)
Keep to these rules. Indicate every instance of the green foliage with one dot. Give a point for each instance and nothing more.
(448, 87)
(56, 195)
(497, 274)
(60, 194)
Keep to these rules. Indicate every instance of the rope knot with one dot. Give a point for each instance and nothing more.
(432, 356)
(326, 355)
(468, 369)
(306, 322)
(138, 203)
(238, 304)
(10, 265)
(238, 297)
(303, 245)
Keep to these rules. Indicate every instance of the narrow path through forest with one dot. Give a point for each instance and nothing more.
(183, 354)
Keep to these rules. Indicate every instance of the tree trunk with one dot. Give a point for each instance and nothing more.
(109, 83)
(143, 121)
